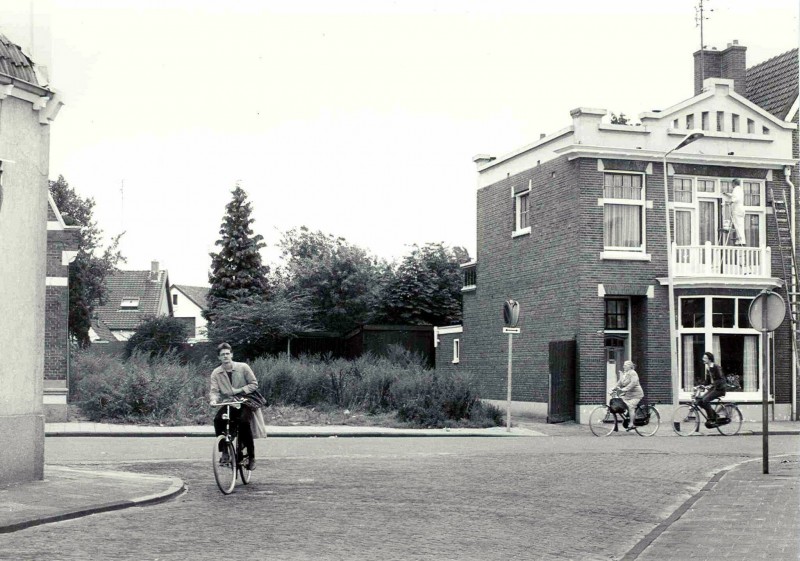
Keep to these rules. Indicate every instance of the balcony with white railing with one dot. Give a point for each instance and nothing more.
(721, 262)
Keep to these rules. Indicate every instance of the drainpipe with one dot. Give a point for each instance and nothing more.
(787, 171)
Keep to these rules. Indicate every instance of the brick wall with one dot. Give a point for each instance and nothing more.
(537, 270)
(56, 333)
(444, 353)
(56, 341)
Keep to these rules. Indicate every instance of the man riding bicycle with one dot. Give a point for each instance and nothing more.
(233, 380)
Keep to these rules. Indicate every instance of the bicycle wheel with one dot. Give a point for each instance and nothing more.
(652, 425)
(730, 418)
(225, 474)
(686, 421)
(602, 422)
(243, 461)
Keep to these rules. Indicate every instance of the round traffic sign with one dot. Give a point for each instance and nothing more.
(511, 313)
(767, 311)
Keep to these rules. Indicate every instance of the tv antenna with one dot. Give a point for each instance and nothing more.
(699, 17)
(122, 205)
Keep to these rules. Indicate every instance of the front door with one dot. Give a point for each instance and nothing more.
(615, 357)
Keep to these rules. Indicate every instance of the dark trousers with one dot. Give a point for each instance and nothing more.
(240, 424)
(705, 401)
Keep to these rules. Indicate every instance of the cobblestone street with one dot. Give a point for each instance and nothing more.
(571, 497)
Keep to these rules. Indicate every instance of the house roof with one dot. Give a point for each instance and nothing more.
(102, 330)
(772, 84)
(133, 285)
(14, 63)
(196, 294)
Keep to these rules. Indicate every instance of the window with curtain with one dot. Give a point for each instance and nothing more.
(522, 222)
(706, 185)
(683, 227)
(707, 227)
(682, 189)
(729, 336)
(752, 193)
(623, 211)
(752, 229)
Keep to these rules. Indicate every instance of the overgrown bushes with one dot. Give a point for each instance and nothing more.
(162, 390)
(158, 390)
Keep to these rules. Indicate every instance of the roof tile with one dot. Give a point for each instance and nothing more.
(14, 63)
(131, 284)
(772, 84)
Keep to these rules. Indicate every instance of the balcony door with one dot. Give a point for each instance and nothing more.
(697, 226)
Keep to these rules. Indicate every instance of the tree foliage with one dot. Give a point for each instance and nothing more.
(237, 272)
(253, 327)
(88, 272)
(157, 336)
(426, 287)
(341, 282)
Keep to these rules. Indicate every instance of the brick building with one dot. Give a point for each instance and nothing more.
(574, 228)
(62, 246)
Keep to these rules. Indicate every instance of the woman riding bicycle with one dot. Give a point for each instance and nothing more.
(630, 391)
(233, 380)
(714, 390)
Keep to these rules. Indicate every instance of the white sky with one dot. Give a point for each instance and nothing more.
(357, 118)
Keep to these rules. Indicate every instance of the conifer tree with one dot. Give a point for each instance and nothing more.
(237, 274)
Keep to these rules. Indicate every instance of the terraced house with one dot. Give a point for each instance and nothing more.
(574, 227)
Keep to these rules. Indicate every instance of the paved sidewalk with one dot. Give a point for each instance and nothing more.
(742, 513)
(67, 493)
(273, 431)
(521, 426)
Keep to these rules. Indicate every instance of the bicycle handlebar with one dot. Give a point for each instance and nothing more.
(236, 404)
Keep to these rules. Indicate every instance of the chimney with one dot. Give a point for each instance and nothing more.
(154, 270)
(730, 63)
(482, 159)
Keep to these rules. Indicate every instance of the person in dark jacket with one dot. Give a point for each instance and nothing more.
(715, 388)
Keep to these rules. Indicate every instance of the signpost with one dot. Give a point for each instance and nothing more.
(511, 318)
(766, 313)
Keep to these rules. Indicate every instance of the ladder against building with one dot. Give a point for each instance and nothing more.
(788, 255)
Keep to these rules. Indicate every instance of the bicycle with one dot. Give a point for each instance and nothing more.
(604, 419)
(686, 418)
(238, 459)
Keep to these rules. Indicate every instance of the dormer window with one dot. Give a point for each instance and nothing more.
(129, 304)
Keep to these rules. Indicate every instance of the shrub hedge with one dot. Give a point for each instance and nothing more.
(162, 390)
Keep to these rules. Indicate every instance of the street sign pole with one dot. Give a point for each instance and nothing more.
(511, 331)
(508, 394)
(767, 311)
(510, 318)
(765, 390)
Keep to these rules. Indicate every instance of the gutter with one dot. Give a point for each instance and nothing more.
(787, 171)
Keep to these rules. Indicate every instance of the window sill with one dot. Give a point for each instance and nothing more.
(455, 362)
(625, 256)
(470, 288)
(523, 232)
